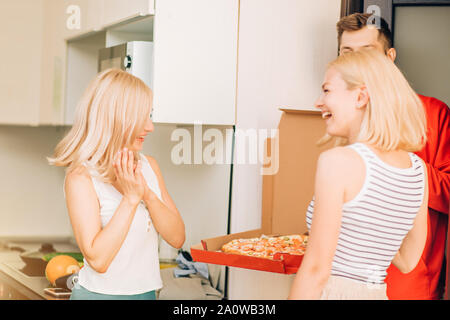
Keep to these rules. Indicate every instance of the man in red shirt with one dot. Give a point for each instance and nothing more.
(447, 293)
(427, 280)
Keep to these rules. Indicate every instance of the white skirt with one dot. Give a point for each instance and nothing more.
(340, 288)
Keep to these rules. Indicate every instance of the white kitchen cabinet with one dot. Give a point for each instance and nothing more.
(63, 20)
(194, 65)
(116, 11)
(95, 15)
(50, 55)
(33, 59)
(53, 71)
(60, 20)
(195, 61)
(103, 23)
(21, 31)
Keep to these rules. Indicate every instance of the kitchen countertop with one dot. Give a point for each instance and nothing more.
(32, 287)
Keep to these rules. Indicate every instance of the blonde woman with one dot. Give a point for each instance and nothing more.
(116, 197)
(370, 203)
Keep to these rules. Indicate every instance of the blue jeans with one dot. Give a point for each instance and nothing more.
(81, 293)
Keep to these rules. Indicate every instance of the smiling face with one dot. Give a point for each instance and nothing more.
(342, 108)
(139, 141)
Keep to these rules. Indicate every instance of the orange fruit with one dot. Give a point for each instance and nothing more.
(60, 266)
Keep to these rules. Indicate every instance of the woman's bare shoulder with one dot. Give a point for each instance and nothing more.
(340, 157)
(77, 176)
(339, 168)
(79, 187)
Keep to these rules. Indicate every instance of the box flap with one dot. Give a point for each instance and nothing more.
(214, 244)
(287, 193)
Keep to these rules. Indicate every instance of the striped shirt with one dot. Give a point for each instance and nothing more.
(376, 221)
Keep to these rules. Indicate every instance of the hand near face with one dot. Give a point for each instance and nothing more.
(129, 179)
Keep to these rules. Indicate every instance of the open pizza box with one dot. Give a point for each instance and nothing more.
(285, 195)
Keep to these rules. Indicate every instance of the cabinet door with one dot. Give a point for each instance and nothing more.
(51, 109)
(62, 20)
(21, 31)
(115, 11)
(195, 61)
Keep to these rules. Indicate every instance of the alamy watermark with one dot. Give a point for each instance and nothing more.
(373, 274)
(213, 146)
(374, 20)
(73, 22)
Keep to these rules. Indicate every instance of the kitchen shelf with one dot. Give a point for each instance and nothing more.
(138, 23)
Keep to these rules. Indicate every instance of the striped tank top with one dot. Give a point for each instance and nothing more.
(376, 221)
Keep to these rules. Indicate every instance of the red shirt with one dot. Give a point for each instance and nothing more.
(427, 280)
(447, 289)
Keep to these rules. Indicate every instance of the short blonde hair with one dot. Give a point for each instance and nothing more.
(110, 116)
(394, 117)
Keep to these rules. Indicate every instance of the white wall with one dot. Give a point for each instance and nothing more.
(283, 50)
(31, 192)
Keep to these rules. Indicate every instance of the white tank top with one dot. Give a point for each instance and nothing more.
(135, 268)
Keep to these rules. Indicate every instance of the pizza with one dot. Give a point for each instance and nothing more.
(266, 247)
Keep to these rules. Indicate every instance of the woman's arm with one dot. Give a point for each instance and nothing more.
(165, 216)
(332, 172)
(100, 246)
(410, 251)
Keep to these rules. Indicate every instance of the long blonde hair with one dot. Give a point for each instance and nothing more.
(394, 117)
(110, 116)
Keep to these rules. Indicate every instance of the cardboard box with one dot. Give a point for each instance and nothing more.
(285, 195)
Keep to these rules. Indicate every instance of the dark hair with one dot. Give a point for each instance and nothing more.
(357, 21)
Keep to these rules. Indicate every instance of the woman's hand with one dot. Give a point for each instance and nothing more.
(129, 180)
